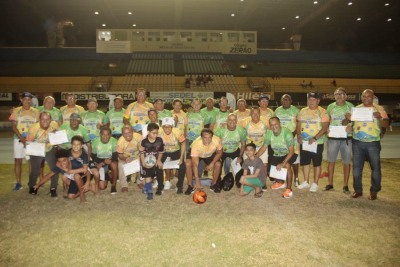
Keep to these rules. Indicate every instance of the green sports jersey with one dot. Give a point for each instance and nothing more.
(55, 113)
(280, 144)
(337, 113)
(81, 131)
(209, 115)
(165, 113)
(287, 117)
(221, 119)
(195, 125)
(90, 121)
(116, 119)
(104, 151)
(231, 140)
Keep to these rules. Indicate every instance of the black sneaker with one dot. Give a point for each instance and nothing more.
(328, 187)
(33, 191)
(179, 190)
(189, 190)
(53, 192)
(113, 190)
(346, 190)
(264, 188)
(159, 192)
(215, 188)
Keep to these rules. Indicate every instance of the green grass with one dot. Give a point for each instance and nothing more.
(321, 229)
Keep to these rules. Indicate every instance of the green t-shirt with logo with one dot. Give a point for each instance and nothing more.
(209, 115)
(280, 143)
(104, 151)
(116, 119)
(287, 117)
(55, 113)
(165, 113)
(231, 140)
(195, 125)
(338, 113)
(81, 131)
(221, 119)
(90, 121)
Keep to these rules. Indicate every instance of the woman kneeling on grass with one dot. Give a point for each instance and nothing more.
(254, 176)
(73, 164)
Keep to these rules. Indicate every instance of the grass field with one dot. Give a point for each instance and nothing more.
(311, 229)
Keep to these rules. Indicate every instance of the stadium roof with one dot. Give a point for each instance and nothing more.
(341, 25)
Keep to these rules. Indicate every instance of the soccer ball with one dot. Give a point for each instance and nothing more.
(150, 161)
(199, 197)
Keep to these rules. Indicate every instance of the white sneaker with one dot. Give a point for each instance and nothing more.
(167, 185)
(296, 182)
(304, 185)
(155, 184)
(314, 188)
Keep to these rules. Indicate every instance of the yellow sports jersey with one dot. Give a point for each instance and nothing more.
(66, 111)
(198, 149)
(311, 122)
(24, 118)
(182, 120)
(173, 140)
(255, 131)
(241, 115)
(369, 131)
(265, 115)
(39, 135)
(129, 149)
(136, 113)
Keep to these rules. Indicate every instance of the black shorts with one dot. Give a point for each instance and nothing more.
(206, 160)
(232, 155)
(173, 155)
(306, 156)
(73, 187)
(273, 160)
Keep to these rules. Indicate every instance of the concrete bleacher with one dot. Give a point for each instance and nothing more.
(146, 66)
(206, 66)
(219, 83)
(155, 82)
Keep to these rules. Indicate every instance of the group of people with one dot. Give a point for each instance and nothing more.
(202, 140)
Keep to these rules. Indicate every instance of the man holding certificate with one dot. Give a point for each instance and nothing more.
(367, 134)
(312, 124)
(338, 138)
(38, 134)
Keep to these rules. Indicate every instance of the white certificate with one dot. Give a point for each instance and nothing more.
(59, 137)
(337, 132)
(235, 166)
(144, 131)
(36, 149)
(132, 167)
(362, 114)
(171, 164)
(312, 148)
(281, 175)
(102, 174)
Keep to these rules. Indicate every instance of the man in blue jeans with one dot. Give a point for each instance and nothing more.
(367, 145)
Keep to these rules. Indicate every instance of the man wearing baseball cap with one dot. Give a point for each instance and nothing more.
(22, 118)
(312, 124)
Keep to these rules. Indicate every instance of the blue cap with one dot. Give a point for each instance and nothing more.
(26, 94)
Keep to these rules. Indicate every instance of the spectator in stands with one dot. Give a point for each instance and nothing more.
(337, 112)
(287, 114)
(71, 107)
(265, 112)
(187, 83)
(233, 138)
(116, 117)
(93, 119)
(303, 84)
(242, 112)
(311, 85)
(207, 148)
(179, 115)
(334, 83)
(175, 149)
(49, 106)
(22, 118)
(128, 150)
(222, 114)
(209, 112)
(105, 156)
(136, 113)
(312, 124)
(367, 144)
(39, 133)
(161, 111)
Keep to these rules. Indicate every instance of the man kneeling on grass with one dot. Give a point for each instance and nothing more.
(254, 176)
(73, 164)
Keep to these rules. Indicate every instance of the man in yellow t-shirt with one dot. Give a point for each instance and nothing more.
(207, 148)
(70, 108)
(136, 114)
(312, 124)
